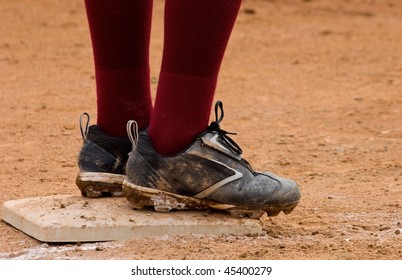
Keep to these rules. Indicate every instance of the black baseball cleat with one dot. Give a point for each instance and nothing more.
(209, 174)
(101, 161)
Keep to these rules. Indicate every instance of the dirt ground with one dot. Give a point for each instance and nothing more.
(312, 87)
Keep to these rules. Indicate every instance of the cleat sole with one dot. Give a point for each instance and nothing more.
(141, 197)
(97, 184)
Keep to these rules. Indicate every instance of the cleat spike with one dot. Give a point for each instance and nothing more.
(162, 209)
(272, 213)
(256, 214)
(236, 213)
(242, 213)
(137, 203)
(91, 193)
(289, 210)
(164, 203)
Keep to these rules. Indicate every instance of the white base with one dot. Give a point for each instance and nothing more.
(68, 218)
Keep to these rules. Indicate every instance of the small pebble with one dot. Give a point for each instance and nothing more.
(249, 11)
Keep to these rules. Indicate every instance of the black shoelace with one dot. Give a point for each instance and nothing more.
(215, 126)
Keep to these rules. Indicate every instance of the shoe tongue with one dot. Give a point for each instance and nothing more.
(214, 141)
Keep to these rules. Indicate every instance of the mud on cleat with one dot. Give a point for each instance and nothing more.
(101, 161)
(209, 174)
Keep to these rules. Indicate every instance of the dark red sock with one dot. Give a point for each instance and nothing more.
(120, 33)
(196, 36)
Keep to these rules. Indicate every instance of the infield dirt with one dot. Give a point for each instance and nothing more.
(313, 88)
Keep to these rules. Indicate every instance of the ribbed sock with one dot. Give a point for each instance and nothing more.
(196, 36)
(120, 33)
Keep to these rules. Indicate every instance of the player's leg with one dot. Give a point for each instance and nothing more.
(120, 33)
(196, 35)
(182, 163)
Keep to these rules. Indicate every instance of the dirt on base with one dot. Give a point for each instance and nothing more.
(312, 87)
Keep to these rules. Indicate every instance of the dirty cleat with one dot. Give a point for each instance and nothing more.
(210, 174)
(102, 161)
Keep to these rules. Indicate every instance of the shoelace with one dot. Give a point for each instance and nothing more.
(132, 132)
(215, 127)
(84, 131)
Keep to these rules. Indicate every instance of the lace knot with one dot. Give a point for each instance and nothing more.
(215, 126)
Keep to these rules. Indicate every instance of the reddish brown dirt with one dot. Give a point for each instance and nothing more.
(312, 87)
